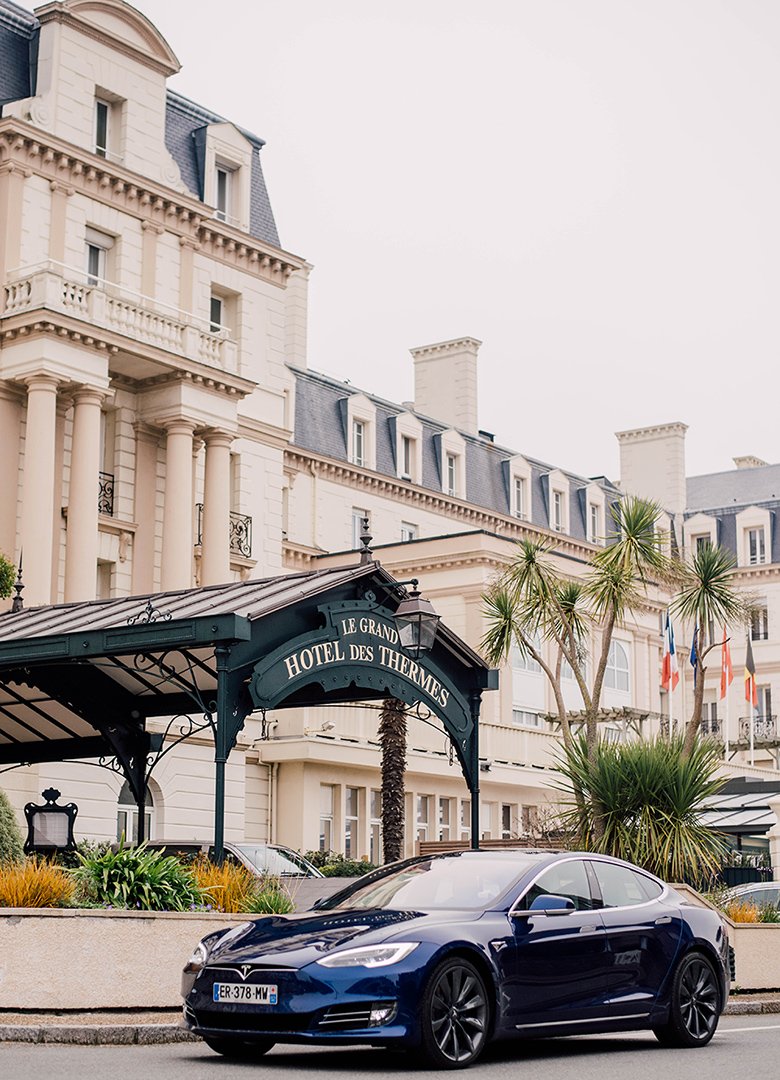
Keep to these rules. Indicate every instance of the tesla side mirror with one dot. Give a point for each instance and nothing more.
(318, 903)
(547, 904)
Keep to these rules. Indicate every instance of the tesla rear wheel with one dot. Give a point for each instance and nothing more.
(454, 1015)
(240, 1049)
(695, 1004)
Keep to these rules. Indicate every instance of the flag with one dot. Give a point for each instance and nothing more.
(726, 671)
(670, 672)
(751, 694)
(694, 657)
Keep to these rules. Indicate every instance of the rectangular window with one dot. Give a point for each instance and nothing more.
(594, 525)
(445, 812)
(326, 817)
(764, 695)
(485, 828)
(358, 442)
(709, 718)
(756, 548)
(407, 457)
(216, 314)
(558, 511)
(97, 247)
(526, 718)
(519, 509)
(507, 815)
(465, 819)
(222, 184)
(408, 532)
(452, 474)
(358, 517)
(529, 820)
(351, 822)
(702, 542)
(375, 823)
(102, 121)
(759, 624)
(423, 816)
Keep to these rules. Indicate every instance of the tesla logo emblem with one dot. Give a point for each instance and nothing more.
(245, 969)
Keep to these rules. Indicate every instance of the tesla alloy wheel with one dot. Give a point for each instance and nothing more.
(695, 1005)
(454, 1015)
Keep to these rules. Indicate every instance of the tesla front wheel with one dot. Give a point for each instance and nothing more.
(694, 1008)
(454, 1015)
(240, 1049)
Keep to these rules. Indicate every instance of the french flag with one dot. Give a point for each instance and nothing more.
(670, 672)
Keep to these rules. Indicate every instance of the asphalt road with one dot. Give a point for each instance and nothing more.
(743, 1046)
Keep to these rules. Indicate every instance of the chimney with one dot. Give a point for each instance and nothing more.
(652, 464)
(445, 382)
(748, 462)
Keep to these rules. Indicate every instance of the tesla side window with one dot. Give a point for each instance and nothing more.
(569, 879)
(623, 887)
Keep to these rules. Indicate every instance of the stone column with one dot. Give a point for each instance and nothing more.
(58, 223)
(37, 540)
(145, 507)
(177, 546)
(12, 177)
(81, 550)
(215, 552)
(10, 431)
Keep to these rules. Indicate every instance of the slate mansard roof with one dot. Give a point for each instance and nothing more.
(724, 495)
(321, 427)
(19, 30)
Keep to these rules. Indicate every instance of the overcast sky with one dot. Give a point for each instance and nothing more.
(590, 187)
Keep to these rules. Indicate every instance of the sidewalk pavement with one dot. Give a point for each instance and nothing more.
(134, 1026)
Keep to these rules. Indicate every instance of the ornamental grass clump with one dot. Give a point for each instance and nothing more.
(742, 911)
(35, 883)
(230, 887)
(271, 898)
(135, 877)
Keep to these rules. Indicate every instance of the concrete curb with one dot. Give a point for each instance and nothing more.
(97, 1034)
(735, 1007)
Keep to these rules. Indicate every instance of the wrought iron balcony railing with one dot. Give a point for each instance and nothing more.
(143, 319)
(106, 493)
(240, 532)
(764, 728)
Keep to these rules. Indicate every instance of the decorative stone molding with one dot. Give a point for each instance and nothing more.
(27, 150)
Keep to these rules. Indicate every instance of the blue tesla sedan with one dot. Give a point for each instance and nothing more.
(450, 952)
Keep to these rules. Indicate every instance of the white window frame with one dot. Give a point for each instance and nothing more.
(375, 826)
(351, 824)
(102, 108)
(230, 152)
(223, 191)
(327, 818)
(615, 672)
(464, 812)
(358, 443)
(409, 532)
(422, 824)
(361, 410)
(97, 245)
(759, 622)
(697, 528)
(756, 545)
(558, 501)
(453, 464)
(519, 497)
(752, 548)
(408, 444)
(357, 526)
(444, 818)
(127, 815)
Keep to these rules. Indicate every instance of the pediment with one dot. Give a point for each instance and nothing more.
(127, 27)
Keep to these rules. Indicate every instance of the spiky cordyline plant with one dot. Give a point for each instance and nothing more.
(649, 796)
(392, 740)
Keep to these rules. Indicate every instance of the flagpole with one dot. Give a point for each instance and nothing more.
(726, 723)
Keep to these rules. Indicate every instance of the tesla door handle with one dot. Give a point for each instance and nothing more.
(664, 920)
(591, 929)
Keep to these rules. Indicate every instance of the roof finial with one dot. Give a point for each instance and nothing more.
(18, 603)
(365, 539)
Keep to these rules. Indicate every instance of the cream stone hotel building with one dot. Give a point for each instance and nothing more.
(161, 429)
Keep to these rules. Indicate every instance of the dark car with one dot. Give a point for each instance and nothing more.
(450, 952)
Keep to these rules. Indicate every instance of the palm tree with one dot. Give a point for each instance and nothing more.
(706, 599)
(531, 597)
(392, 740)
(649, 796)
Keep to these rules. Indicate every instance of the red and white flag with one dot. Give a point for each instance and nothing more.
(726, 671)
(670, 672)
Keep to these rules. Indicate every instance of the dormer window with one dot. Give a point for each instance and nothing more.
(358, 442)
(107, 123)
(520, 498)
(452, 475)
(223, 180)
(407, 457)
(452, 464)
(557, 521)
(756, 546)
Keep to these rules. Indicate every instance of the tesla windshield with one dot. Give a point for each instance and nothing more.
(437, 884)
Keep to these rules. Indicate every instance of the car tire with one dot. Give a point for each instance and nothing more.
(694, 1007)
(454, 1015)
(240, 1049)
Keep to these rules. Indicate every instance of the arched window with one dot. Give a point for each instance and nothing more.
(616, 676)
(525, 662)
(127, 815)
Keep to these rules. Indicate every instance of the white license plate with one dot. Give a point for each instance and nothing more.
(249, 993)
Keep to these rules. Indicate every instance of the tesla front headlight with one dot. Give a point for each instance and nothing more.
(197, 961)
(370, 956)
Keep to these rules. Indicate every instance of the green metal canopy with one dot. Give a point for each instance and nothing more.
(80, 681)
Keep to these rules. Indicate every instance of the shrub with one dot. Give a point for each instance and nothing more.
(11, 849)
(35, 883)
(137, 878)
(334, 864)
(742, 911)
(229, 887)
(270, 899)
(768, 913)
(7, 576)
